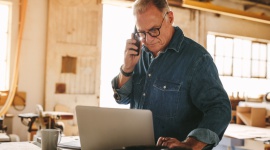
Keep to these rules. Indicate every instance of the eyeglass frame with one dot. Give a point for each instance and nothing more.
(158, 29)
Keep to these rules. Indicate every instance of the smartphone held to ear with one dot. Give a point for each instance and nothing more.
(138, 42)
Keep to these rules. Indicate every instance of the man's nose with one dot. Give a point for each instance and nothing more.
(148, 38)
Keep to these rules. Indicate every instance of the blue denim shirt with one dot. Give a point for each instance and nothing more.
(182, 89)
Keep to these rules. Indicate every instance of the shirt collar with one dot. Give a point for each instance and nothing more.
(176, 40)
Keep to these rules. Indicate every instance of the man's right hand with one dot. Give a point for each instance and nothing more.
(130, 60)
(130, 56)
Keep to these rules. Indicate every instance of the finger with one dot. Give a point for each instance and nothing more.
(167, 138)
(173, 142)
(167, 141)
(130, 42)
(136, 52)
(131, 50)
(170, 144)
(132, 46)
(160, 141)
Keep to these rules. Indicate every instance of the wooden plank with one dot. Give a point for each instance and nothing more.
(207, 6)
(245, 117)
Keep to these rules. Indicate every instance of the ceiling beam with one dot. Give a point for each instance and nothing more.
(123, 3)
(128, 3)
(209, 7)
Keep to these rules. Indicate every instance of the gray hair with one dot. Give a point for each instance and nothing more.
(141, 6)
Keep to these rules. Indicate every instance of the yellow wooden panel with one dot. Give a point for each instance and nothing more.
(19, 99)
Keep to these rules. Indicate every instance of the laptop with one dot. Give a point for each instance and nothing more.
(114, 128)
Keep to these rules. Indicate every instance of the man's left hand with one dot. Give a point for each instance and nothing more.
(189, 143)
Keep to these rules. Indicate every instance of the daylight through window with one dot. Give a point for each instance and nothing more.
(4, 46)
(240, 57)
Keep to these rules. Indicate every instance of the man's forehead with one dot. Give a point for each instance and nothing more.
(146, 21)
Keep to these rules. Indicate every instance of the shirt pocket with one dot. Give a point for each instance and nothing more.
(165, 98)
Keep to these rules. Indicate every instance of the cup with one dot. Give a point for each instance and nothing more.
(49, 139)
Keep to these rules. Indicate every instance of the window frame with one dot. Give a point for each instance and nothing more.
(212, 48)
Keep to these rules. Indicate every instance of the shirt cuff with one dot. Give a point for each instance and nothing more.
(124, 91)
(205, 135)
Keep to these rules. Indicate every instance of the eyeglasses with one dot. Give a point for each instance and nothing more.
(154, 32)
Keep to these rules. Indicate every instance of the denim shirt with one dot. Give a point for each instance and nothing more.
(182, 89)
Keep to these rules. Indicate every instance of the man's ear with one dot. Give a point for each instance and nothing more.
(171, 17)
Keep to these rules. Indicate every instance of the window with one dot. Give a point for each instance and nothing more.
(5, 10)
(239, 57)
(118, 24)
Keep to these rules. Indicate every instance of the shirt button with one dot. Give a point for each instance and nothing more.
(149, 75)
(144, 94)
(164, 87)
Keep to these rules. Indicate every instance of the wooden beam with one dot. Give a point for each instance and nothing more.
(123, 3)
(207, 6)
(128, 3)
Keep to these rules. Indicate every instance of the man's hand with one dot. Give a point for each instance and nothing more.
(130, 60)
(189, 143)
(130, 57)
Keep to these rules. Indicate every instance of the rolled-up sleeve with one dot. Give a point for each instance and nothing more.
(205, 135)
(122, 92)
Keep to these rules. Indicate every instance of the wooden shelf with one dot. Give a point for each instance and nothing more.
(251, 116)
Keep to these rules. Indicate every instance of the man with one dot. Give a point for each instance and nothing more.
(175, 78)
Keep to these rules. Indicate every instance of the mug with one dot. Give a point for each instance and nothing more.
(50, 138)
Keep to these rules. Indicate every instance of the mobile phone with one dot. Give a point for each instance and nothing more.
(138, 42)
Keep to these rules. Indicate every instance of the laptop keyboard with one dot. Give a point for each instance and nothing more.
(72, 144)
